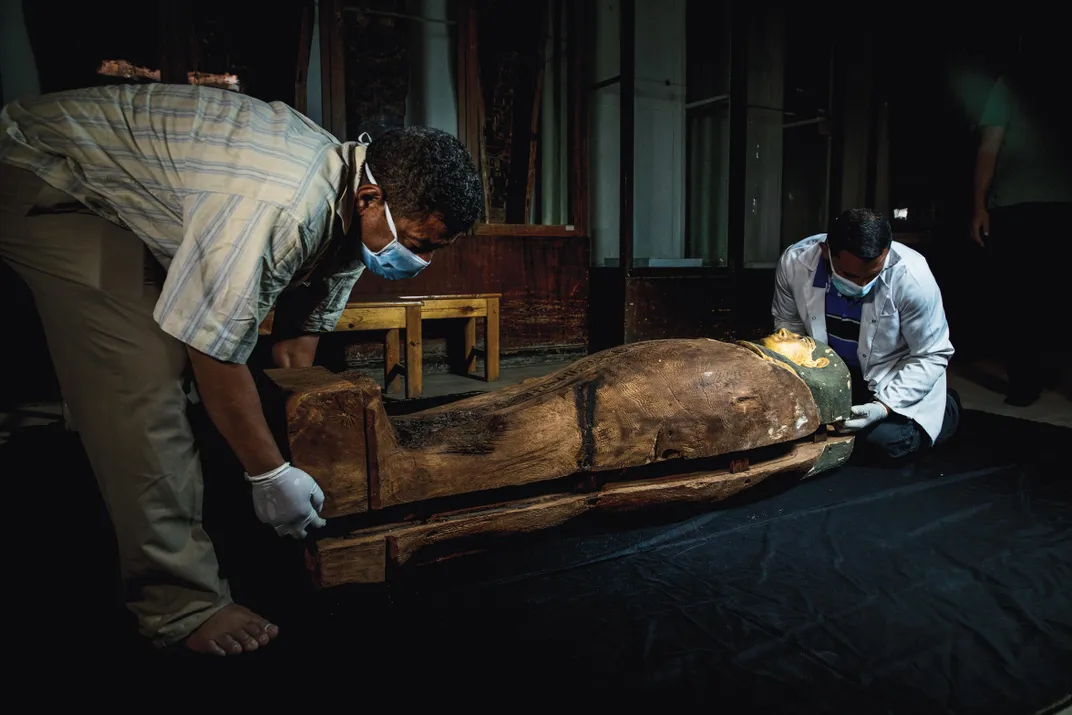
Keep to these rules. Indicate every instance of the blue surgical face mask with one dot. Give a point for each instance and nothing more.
(846, 287)
(394, 261)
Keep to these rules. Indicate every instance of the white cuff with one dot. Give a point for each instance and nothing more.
(268, 476)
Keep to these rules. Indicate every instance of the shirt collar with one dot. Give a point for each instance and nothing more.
(822, 277)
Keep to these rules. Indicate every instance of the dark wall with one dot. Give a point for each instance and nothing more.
(69, 40)
(936, 77)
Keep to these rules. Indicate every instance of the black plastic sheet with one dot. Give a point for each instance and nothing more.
(942, 585)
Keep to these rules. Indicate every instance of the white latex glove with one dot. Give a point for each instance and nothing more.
(288, 499)
(864, 416)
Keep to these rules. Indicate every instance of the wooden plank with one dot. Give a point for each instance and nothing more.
(468, 365)
(442, 308)
(491, 341)
(528, 229)
(384, 302)
(357, 553)
(358, 561)
(537, 107)
(325, 430)
(333, 67)
(451, 296)
(579, 20)
(363, 317)
(414, 352)
(470, 101)
(392, 366)
(360, 315)
(372, 457)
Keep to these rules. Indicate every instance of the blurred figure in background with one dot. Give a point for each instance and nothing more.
(1022, 208)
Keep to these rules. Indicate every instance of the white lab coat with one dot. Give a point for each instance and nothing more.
(904, 337)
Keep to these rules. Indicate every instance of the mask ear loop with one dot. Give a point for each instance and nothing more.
(364, 139)
(386, 208)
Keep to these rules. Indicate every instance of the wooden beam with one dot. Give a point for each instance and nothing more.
(470, 102)
(491, 341)
(414, 352)
(579, 16)
(533, 230)
(333, 67)
(547, 22)
(366, 555)
(325, 431)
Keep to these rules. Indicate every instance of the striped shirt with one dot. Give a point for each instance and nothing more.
(843, 329)
(842, 318)
(237, 198)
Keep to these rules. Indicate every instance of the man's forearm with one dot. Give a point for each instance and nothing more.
(296, 352)
(985, 163)
(232, 402)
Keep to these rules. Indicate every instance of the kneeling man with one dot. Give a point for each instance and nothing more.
(875, 303)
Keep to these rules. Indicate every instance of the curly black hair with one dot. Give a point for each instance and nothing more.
(424, 171)
(862, 232)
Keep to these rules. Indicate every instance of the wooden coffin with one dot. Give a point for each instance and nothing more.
(716, 417)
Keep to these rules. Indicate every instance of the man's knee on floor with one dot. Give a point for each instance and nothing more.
(893, 439)
(951, 420)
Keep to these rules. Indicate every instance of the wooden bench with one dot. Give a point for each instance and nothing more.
(392, 315)
(469, 307)
(396, 313)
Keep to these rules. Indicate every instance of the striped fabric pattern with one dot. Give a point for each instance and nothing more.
(842, 318)
(237, 198)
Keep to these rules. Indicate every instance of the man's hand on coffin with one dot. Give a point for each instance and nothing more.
(864, 416)
(289, 500)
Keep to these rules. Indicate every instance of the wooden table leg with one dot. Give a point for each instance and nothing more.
(491, 341)
(392, 369)
(414, 356)
(469, 347)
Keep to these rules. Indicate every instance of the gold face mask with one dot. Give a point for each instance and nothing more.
(797, 348)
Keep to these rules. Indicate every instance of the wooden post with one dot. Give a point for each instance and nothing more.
(470, 102)
(579, 15)
(414, 356)
(392, 370)
(468, 357)
(491, 341)
(333, 67)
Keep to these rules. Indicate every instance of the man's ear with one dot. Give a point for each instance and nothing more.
(367, 195)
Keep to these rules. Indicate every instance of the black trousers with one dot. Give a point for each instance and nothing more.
(897, 436)
(1029, 248)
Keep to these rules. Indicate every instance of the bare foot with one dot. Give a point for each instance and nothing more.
(232, 630)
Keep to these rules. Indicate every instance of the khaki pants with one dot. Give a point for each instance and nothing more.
(122, 379)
